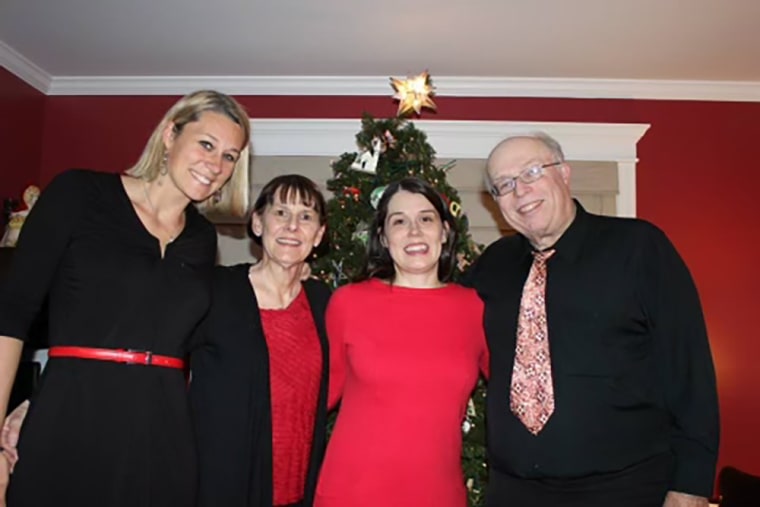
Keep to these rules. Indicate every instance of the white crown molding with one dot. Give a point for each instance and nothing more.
(730, 91)
(603, 142)
(23, 68)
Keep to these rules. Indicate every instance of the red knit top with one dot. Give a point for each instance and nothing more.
(295, 365)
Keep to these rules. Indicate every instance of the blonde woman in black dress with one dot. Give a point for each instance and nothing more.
(125, 262)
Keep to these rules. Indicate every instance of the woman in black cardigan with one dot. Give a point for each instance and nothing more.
(241, 359)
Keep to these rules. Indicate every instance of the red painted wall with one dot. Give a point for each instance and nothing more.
(697, 179)
(21, 115)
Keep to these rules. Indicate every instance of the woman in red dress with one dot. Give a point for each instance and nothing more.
(406, 349)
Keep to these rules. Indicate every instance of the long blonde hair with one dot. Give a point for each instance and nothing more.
(187, 110)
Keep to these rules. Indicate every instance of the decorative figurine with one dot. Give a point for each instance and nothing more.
(16, 218)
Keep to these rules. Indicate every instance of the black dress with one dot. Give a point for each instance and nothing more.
(101, 433)
(230, 395)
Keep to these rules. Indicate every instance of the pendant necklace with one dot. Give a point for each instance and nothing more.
(172, 237)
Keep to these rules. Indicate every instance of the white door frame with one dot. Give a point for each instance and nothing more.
(595, 142)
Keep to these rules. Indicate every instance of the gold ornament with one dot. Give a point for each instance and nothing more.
(413, 93)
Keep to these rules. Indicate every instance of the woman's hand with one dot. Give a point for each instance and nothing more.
(10, 432)
(5, 472)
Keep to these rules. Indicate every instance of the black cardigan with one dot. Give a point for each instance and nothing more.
(230, 395)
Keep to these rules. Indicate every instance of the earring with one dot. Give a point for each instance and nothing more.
(164, 169)
(217, 197)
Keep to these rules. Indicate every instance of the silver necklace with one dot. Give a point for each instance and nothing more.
(172, 237)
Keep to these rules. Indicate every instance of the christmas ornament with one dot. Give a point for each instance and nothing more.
(471, 411)
(389, 139)
(361, 233)
(366, 161)
(377, 193)
(352, 192)
(338, 273)
(455, 208)
(413, 93)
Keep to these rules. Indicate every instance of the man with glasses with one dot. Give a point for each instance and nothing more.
(602, 389)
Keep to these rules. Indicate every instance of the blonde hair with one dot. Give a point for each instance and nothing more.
(187, 110)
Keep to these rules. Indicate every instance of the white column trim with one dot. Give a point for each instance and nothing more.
(603, 142)
(626, 198)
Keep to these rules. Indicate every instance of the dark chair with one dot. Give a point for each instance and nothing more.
(738, 488)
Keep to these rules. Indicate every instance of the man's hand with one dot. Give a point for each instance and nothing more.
(676, 499)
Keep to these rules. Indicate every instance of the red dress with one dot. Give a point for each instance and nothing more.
(404, 362)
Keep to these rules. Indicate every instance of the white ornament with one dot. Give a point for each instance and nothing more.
(466, 426)
(471, 408)
(366, 161)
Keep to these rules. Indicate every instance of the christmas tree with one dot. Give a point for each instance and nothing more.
(392, 149)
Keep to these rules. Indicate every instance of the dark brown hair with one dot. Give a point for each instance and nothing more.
(379, 262)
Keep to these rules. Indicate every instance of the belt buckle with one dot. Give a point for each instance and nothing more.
(148, 356)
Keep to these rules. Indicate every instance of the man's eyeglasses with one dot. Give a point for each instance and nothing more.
(528, 175)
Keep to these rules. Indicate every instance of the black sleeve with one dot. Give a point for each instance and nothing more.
(42, 244)
(684, 363)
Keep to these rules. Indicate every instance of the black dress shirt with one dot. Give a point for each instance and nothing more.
(631, 364)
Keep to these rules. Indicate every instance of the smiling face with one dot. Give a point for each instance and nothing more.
(288, 229)
(541, 210)
(414, 235)
(202, 155)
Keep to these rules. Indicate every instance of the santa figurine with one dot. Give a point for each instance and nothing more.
(16, 218)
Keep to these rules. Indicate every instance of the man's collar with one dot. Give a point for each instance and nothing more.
(569, 245)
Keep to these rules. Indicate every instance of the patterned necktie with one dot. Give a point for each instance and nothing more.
(532, 393)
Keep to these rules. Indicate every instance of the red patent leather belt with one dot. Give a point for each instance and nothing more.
(142, 357)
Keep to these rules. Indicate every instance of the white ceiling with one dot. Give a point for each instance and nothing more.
(476, 47)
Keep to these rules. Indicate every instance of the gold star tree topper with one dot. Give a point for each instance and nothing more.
(414, 93)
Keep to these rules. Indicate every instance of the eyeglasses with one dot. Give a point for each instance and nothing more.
(528, 175)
